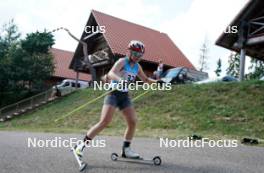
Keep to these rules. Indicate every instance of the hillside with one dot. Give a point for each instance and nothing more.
(217, 110)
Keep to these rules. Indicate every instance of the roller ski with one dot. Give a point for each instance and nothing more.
(128, 155)
(77, 152)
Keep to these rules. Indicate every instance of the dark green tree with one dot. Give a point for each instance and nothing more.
(24, 64)
(37, 61)
(38, 42)
(258, 69)
(233, 62)
(219, 67)
(9, 40)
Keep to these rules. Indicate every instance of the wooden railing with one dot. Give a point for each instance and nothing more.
(30, 103)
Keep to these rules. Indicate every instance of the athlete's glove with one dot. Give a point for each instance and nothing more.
(105, 78)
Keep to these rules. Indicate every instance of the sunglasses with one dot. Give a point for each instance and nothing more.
(136, 54)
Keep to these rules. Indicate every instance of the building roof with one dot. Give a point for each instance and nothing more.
(158, 45)
(62, 60)
(252, 12)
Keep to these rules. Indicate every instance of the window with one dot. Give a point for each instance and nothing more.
(78, 85)
(172, 73)
(66, 84)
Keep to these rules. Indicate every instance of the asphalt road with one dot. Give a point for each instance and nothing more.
(17, 157)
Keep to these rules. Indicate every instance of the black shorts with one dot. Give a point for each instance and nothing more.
(118, 99)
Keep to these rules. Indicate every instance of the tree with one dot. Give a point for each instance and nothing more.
(24, 64)
(38, 42)
(203, 56)
(219, 67)
(234, 65)
(9, 40)
(258, 69)
(37, 58)
(10, 33)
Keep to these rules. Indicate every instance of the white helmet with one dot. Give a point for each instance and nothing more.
(137, 46)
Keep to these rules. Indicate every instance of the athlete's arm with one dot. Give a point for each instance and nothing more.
(113, 73)
(143, 76)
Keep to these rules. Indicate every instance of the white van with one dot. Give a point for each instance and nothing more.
(72, 83)
(68, 85)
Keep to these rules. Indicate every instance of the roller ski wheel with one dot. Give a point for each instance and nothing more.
(114, 157)
(157, 160)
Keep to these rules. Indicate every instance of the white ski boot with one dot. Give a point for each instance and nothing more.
(127, 152)
(78, 153)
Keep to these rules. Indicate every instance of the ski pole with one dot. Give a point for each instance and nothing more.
(140, 95)
(94, 100)
(84, 105)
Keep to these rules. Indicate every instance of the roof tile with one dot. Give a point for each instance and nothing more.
(158, 45)
(62, 60)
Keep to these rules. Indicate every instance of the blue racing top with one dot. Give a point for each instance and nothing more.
(128, 73)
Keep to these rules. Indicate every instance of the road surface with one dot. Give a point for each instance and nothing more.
(17, 157)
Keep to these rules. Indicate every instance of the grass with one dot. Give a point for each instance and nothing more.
(218, 110)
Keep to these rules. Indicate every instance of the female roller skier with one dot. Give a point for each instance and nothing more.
(125, 69)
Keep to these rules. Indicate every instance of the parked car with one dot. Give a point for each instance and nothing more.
(67, 85)
(72, 83)
(218, 79)
(182, 75)
(229, 79)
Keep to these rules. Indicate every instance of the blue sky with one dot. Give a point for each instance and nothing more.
(187, 22)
